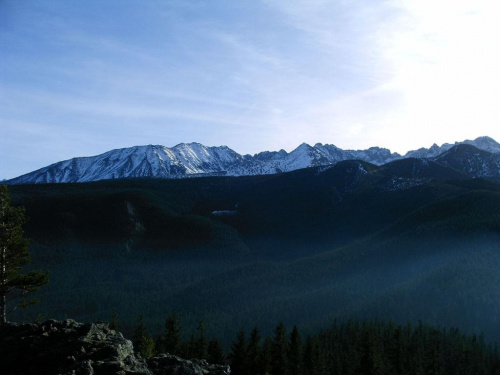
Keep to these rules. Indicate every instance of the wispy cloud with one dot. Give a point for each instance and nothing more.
(96, 108)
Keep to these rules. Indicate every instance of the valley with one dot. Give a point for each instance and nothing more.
(407, 241)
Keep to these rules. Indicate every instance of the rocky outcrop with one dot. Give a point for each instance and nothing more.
(68, 347)
(167, 364)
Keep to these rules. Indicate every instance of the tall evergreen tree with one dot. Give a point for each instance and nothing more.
(170, 340)
(266, 356)
(279, 364)
(396, 351)
(238, 355)
(142, 339)
(494, 361)
(371, 354)
(295, 353)
(311, 357)
(254, 351)
(416, 348)
(201, 342)
(14, 255)
(189, 350)
(432, 355)
(215, 353)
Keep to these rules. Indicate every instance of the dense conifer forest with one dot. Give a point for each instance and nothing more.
(347, 347)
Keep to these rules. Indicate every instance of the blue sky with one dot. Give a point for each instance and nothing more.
(78, 78)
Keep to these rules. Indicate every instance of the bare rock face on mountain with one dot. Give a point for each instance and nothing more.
(67, 347)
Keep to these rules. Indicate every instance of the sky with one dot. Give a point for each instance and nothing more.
(79, 78)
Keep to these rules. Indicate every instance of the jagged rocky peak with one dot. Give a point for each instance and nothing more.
(68, 347)
(379, 156)
(435, 149)
(320, 145)
(268, 155)
(303, 146)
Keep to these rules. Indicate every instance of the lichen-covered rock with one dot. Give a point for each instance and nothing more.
(71, 348)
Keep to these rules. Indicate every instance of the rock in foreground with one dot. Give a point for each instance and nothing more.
(68, 347)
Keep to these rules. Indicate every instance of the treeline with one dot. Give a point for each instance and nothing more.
(348, 347)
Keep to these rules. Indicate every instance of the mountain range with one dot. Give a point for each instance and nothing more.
(474, 158)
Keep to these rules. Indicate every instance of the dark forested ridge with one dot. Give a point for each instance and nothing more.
(412, 240)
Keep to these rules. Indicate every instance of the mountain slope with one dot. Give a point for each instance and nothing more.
(471, 161)
(140, 161)
(194, 159)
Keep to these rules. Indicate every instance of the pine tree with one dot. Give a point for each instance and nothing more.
(432, 354)
(14, 255)
(311, 357)
(279, 364)
(238, 355)
(215, 353)
(295, 353)
(142, 340)
(396, 351)
(201, 342)
(170, 340)
(190, 348)
(371, 354)
(266, 356)
(254, 352)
